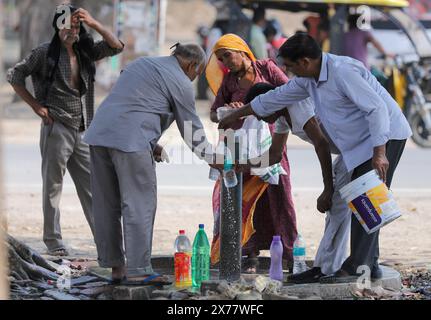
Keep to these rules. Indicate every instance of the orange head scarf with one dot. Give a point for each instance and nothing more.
(214, 70)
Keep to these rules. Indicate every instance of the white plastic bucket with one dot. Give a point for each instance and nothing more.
(371, 201)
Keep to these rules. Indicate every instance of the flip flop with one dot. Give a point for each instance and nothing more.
(310, 276)
(149, 281)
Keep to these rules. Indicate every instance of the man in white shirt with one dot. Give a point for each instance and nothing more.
(303, 123)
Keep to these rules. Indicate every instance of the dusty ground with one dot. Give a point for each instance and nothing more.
(407, 241)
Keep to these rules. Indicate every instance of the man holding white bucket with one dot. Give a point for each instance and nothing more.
(360, 117)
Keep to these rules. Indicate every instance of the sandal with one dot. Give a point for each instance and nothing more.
(339, 277)
(309, 276)
(58, 253)
(250, 265)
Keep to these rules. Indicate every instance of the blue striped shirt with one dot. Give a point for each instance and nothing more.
(356, 111)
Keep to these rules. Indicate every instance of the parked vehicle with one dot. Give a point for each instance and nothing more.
(410, 79)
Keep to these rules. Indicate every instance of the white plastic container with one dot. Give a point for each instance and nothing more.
(214, 174)
(371, 201)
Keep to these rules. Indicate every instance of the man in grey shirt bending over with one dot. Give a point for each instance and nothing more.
(149, 96)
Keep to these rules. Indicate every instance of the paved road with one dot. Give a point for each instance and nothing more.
(22, 171)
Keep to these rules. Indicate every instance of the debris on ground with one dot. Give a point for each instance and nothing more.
(33, 277)
(416, 283)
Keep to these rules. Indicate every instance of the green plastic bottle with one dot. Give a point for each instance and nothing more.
(200, 258)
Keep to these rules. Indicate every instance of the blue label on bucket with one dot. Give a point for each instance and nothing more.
(367, 211)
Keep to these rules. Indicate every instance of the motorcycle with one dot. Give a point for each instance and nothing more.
(411, 78)
(407, 83)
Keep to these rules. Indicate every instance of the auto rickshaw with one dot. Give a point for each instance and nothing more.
(406, 76)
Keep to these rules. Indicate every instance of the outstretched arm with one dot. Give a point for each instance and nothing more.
(269, 103)
(231, 119)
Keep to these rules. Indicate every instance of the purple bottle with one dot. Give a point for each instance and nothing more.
(276, 270)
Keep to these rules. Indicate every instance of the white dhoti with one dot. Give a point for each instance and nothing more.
(332, 250)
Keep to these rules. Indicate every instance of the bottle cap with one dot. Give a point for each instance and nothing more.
(182, 232)
(277, 238)
(201, 226)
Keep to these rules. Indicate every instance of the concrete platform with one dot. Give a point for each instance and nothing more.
(391, 281)
(165, 265)
(391, 278)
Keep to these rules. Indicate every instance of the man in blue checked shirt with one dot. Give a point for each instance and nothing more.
(360, 117)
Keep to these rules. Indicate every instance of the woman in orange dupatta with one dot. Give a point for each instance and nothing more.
(267, 209)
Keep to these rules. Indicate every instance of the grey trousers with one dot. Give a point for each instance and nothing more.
(62, 148)
(332, 250)
(364, 248)
(124, 188)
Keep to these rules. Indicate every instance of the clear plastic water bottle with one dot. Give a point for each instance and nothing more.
(276, 269)
(229, 174)
(214, 174)
(200, 258)
(223, 112)
(230, 178)
(299, 253)
(183, 265)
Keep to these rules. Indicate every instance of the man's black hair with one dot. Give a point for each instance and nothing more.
(353, 21)
(259, 14)
(270, 30)
(257, 90)
(299, 46)
(324, 25)
(223, 25)
(307, 25)
(84, 48)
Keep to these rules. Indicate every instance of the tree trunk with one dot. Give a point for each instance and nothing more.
(35, 23)
(4, 291)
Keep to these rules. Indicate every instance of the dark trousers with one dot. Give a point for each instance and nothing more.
(364, 248)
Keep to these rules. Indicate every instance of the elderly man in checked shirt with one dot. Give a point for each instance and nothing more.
(361, 118)
(63, 74)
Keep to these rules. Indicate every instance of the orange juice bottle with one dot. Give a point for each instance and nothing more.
(183, 258)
